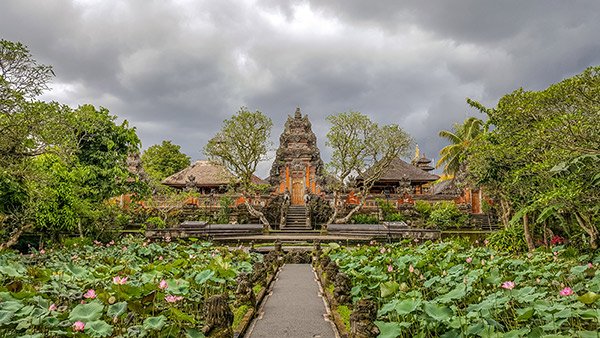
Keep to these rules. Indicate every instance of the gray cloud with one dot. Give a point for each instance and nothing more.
(176, 69)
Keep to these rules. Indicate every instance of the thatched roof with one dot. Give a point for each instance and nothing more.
(447, 187)
(398, 168)
(204, 174)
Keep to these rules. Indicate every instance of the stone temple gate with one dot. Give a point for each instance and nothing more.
(297, 168)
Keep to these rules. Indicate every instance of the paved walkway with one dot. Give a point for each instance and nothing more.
(295, 308)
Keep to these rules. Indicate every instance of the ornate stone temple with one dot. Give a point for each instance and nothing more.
(297, 168)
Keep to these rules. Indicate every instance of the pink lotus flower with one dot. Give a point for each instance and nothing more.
(124, 248)
(163, 285)
(566, 291)
(90, 294)
(78, 326)
(590, 265)
(555, 253)
(382, 251)
(486, 242)
(42, 251)
(508, 285)
(160, 258)
(469, 259)
(53, 307)
(390, 268)
(173, 299)
(119, 280)
(411, 268)
(483, 262)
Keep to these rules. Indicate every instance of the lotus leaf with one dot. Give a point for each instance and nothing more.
(389, 288)
(98, 328)
(203, 276)
(116, 309)
(154, 323)
(588, 298)
(390, 330)
(438, 312)
(86, 312)
(193, 333)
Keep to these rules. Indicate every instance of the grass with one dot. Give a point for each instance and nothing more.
(344, 313)
(238, 315)
(257, 288)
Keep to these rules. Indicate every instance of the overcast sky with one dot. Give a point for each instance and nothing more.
(176, 69)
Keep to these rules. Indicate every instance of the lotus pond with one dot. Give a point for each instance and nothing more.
(126, 289)
(452, 290)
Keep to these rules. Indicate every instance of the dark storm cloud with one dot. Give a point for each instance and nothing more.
(176, 69)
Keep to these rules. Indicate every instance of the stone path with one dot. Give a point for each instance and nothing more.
(295, 307)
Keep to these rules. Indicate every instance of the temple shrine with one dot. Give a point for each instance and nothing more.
(297, 168)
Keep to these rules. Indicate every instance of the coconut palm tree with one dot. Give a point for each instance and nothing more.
(461, 137)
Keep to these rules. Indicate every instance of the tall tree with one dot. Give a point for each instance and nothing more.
(163, 160)
(360, 148)
(240, 145)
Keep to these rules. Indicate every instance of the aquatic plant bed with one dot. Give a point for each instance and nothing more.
(127, 289)
(447, 289)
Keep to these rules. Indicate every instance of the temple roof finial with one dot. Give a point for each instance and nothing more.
(298, 114)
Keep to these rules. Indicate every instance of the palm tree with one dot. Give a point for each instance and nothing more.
(453, 155)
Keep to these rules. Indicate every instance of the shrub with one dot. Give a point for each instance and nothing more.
(155, 222)
(446, 215)
(423, 208)
(511, 239)
(395, 217)
(365, 219)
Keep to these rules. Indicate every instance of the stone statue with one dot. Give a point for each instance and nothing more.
(218, 317)
(362, 320)
(244, 295)
(342, 289)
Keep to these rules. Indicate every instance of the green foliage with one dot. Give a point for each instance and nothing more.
(509, 239)
(363, 149)
(241, 144)
(423, 208)
(163, 160)
(446, 214)
(59, 165)
(453, 289)
(394, 217)
(51, 287)
(365, 219)
(155, 222)
(238, 315)
(540, 158)
(463, 135)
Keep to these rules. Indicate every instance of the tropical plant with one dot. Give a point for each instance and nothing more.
(461, 138)
(448, 289)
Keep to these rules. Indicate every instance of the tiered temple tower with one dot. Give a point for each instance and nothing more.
(298, 167)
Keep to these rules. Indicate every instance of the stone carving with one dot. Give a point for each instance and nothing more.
(244, 295)
(343, 286)
(331, 270)
(362, 320)
(218, 317)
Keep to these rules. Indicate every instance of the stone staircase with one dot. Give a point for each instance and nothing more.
(296, 218)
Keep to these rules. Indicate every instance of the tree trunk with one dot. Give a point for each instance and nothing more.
(258, 214)
(15, 237)
(589, 228)
(346, 219)
(505, 217)
(335, 210)
(80, 228)
(527, 231)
